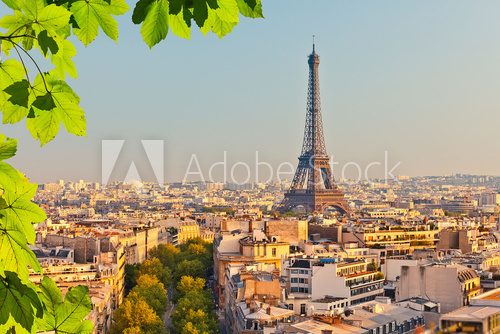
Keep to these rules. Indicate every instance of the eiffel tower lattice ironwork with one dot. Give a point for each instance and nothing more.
(313, 185)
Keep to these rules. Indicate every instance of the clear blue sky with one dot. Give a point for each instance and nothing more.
(417, 78)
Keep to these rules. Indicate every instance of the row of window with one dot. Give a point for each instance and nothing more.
(401, 328)
(302, 308)
(299, 289)
(300, 280)
(297, 271)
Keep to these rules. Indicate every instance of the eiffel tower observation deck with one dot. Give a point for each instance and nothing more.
(313, 187)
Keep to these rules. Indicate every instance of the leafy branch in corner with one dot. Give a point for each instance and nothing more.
(37, 34)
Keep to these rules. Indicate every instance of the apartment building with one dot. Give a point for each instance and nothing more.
(481, 316)
(452, 285)
(419, 236)
(349, 282)
(240, 248)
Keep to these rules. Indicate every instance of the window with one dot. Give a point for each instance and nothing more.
(290, 306)
(302, 308)
(294, 289)
(294, 271)
(295, 280)
(274, 251)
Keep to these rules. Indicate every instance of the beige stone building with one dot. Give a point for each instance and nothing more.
(417, 237)
(293, 231)
(481, 316)
(465, 240)
(252, 302)
(245, 248)
(451, 285)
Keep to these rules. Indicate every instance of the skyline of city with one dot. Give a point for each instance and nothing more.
(382, 88)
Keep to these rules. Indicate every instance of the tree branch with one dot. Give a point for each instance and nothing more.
(34, 62)
(10, 37)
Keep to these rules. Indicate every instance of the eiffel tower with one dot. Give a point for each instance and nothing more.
(313, 186)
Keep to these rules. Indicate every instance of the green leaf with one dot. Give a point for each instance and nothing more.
(213, 4)
(11, 71)
(222, 28)
(11, 113)
(47, 43)
(44, 102)
(141, 10)
(175, 6)
(20, 24)
(200, 12)
(222, 20)
(8, 147)
(65, 316)
(18, 301)
(179, 26)
(19, 93)
(63, 60)
(32, 8)
(251, 3)
(45, 125)
(187, 15)
(228, 11)
(250, 8)
(16, 255)
(118, 7)
(13, 4)
(92, 14)
(155, 26)
(19, 211)
(53, 18)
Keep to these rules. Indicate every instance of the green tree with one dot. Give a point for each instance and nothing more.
(37, 92)
(167, 254)
(188, 308)
(152, 291)
(197, 249)
(194, 268)
(188, 284)
(195, 321)
(154, 267)
(137, 317)
(131, 273)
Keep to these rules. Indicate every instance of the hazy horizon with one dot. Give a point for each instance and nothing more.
(417, 79)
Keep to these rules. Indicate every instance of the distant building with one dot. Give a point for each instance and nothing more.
(465, 240)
